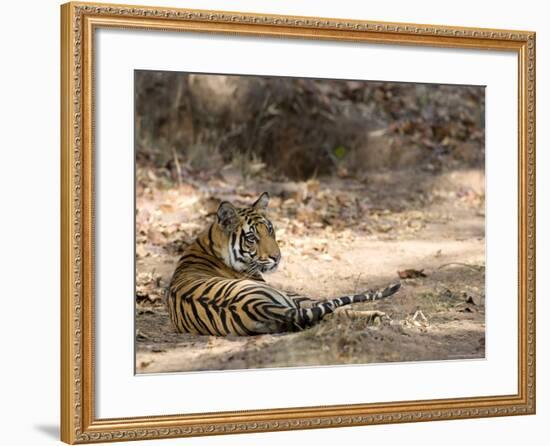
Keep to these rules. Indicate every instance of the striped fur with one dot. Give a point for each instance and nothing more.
(217, 288)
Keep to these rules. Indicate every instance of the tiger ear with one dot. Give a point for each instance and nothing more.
(227, 216)
(262, 202)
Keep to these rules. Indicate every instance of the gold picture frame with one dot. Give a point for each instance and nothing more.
(78, 24)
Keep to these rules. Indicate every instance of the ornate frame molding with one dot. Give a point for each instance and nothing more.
(78, 424)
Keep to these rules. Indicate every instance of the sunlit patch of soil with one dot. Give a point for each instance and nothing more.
(337, 236)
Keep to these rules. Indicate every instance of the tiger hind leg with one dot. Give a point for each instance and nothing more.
(371, 317)
(307, 317)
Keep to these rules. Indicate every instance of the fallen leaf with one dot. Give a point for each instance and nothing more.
(166, 207)
(141, 251)
(325, 257)
(411, 274)
(144, 364)
(141, 336)
(466, 310)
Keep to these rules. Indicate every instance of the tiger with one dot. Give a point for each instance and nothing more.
(217, 287)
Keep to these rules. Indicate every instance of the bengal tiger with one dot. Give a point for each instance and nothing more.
(217, 287)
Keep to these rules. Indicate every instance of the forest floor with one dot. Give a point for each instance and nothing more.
(337, 235)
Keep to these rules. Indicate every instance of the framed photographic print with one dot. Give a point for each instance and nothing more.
(315, 222)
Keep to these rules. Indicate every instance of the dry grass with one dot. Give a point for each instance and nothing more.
(449, 332)
(305, 127)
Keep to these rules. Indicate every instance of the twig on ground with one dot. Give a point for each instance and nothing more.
(178, 167)
(419, 314)
(356, 283)
(474, 267)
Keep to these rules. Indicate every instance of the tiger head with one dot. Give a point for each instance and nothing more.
(248, 237)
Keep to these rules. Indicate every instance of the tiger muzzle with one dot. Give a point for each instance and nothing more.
(270, 264)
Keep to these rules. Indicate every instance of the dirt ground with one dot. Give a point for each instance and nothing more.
(337, 236)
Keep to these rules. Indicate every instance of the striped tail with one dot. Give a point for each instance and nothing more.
(306, 317)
